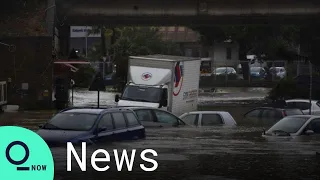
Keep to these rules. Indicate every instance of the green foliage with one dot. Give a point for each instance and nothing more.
(289, 89)
(84, 76)
(130, 41)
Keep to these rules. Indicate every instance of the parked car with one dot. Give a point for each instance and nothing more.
(295, 126)
(208, 118)
(222, 72)
(258, 73)
(268, 115)
(157, 118)
(304, 105)
(92, 125)
(278, 72)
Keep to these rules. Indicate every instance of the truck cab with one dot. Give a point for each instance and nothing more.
(144, 95)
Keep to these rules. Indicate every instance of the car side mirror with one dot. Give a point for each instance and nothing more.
(309, 132)
(117, 97)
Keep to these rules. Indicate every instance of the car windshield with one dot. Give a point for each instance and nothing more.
(144, 94)
(72, 121)
(288, 124)
(223, 70)
(255, 69)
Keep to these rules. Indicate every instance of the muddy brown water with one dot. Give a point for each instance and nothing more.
(197, 153)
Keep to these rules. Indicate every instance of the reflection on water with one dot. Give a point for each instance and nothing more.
(209, 153)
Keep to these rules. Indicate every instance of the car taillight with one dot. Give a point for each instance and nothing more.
(284, 113)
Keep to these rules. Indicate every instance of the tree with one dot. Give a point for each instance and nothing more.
(130, 41)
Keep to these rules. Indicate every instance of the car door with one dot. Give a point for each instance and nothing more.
(211, 120)
(146, 117)
(105, 129)
(252, 117)
(120, 126)
(269, 117)
(165, 119)
(135, 129)
(314, 125)
(191, 119)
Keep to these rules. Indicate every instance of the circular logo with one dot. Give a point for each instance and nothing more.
(24, 155)
(178, 78)
(146, 76)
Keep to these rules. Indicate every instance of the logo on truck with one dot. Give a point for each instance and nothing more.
(178, 78)
(146, 76)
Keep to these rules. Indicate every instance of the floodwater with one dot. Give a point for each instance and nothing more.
(199, 153)
(206, 154)
(84, 97)
(203, 153)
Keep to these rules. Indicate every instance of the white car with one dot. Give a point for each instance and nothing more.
(304, 105)
(279, 72)
(208, 118)
(295, 126)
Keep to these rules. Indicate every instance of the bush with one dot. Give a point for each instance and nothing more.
(290, 89)
(84, 77)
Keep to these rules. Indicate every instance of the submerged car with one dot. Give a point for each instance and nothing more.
(157, 118)
(208, 118)
(91, 125)
(258, 73)
(295, 126)
(267, 116)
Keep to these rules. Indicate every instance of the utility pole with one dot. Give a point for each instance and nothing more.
(310, 91)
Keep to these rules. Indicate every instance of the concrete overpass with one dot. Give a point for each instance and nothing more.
(186, 12)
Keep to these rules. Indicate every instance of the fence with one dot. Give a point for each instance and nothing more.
(248, 73)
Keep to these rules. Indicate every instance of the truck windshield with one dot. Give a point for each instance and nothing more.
(143, 94)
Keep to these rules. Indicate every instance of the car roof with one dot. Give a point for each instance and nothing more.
(283, 108)
(93, 110)
(206, 112)
(300, 100)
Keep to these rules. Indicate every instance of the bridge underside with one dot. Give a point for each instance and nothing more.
(186, 12)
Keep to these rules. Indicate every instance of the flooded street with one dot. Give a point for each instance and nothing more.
(198, 153)
(205, 154)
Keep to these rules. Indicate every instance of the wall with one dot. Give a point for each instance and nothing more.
(219, 54)
(31, 63)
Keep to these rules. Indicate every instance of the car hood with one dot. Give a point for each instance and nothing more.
(59, 136)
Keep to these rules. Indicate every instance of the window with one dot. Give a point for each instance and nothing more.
(229, 53)
(164, 117)
(290, 112)
(299, 105)
(315, 126)
(254, 113)
(191, 119)
(144, 115)
(268, 113)
(211, 120)
(303, 105)
(106, 122)
(132, 120)
(119, 121)
(72, 121)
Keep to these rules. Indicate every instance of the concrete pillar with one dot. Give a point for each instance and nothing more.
(50, 16)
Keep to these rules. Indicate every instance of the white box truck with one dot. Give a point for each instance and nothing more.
(162, 81)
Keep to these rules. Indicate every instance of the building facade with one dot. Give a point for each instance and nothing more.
(224, 53)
